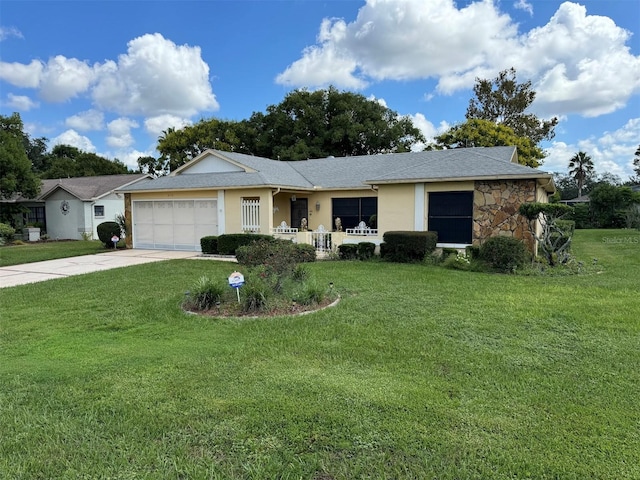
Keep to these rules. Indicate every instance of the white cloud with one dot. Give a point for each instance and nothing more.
(73, 138)
(524, 5)
(120, 133)
(428, 129)
(155, 77)
(21, 102)
(156, 125)
(20, 75)
(130, 157)
(613, 152)
(7, 32)
(86, 121)
(578, 63)
(63, 78)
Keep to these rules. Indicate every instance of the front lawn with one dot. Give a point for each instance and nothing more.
(40, 251)
(419, 372)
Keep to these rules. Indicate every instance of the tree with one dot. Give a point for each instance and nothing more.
(68, 161)
(327, 123)
(304, 125)
(504, 101)
(636, 164)
(177, 147)
(581, 169)
(16, 176)
(610, 204)
(153, 166)
(483, 133)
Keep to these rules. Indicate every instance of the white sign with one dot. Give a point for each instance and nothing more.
(236, 279)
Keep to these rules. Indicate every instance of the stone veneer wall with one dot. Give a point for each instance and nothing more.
(495, 209)
(127, 216)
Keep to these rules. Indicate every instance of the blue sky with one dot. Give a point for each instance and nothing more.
(110, 76)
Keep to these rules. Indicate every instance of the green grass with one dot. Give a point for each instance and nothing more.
(40, 251)
(419, 372)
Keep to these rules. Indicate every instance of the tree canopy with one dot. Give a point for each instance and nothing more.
(67, 161)
(504, 101)
(304, 125)
(484, 133)
(636, 164)
(16, 175)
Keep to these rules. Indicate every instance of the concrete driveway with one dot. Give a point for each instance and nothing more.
(65, 267)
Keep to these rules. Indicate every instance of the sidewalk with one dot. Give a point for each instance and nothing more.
(65, 267)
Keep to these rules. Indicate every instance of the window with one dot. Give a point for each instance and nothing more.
(451, 215)
(352, 211)
(98, 210)
(250, 214)
(35, 216)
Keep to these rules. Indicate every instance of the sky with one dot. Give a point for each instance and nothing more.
(110, 76)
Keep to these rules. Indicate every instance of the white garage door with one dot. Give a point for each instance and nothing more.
(173, 224)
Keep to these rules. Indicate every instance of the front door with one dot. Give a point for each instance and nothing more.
(298, 212)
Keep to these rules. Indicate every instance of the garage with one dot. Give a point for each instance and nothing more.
(173, 224)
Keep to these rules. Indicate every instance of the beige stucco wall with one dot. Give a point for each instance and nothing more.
(396, 207)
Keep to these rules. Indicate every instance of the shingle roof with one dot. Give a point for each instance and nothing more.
(352, 172)
(88, 188)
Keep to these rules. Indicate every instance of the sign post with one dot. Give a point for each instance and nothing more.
(236, 280)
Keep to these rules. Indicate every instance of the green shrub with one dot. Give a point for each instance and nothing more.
(209, 245)
(229, 243)
(305, 253)
(503, 254)
(473, 252)
(407, 246)
(106, 230)
(204, 295)
(6, 233)
(366, 250)
(348, 251)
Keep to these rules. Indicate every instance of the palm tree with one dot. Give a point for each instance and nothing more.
(581, 168)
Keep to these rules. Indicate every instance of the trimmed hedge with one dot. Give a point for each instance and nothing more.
(267, 250)
(504, 254)
(106, 230)
(7, 232)
(348, 251)
(209, 245)
(229, 243)
(366, 250)
(407, 246)
(305, 253)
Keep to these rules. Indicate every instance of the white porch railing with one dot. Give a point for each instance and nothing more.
(321, 240)
(285, 231)
(362, 230)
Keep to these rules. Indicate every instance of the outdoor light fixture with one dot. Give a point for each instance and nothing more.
(317, 206)
(293, 198)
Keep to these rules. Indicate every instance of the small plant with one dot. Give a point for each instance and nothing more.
(204, 295)
(256, 293)
(300, 273)
(86, 236)
(458, 261)
(311, 293)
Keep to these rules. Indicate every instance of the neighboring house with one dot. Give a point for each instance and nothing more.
(466, 195)
(68, 207)
(575, 201)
